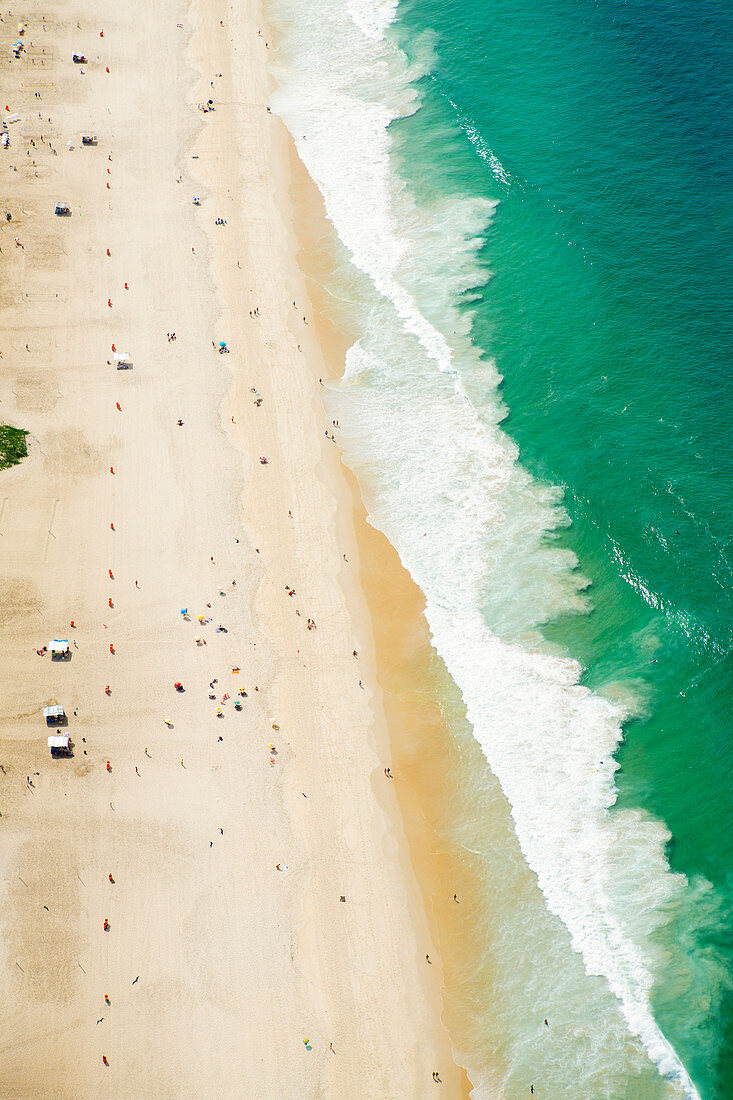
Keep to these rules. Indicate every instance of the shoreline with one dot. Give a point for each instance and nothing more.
(405, 664)
(200, 923)
(432, 766)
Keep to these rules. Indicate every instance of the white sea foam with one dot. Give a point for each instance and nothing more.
(443, 482)
(498, 171)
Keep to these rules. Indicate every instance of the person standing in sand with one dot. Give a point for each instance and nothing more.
(169, 501)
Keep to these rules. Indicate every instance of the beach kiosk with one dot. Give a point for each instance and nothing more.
(54, 716)
(59, 649)
(123, 360)
(60, 745)
(62, 210)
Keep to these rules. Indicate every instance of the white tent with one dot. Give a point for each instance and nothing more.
(54, 715)
(123, 360)
(58, 647)
(60, 745)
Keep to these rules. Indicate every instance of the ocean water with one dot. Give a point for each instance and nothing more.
(532, 205)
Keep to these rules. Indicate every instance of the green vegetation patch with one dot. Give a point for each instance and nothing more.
(13, 446)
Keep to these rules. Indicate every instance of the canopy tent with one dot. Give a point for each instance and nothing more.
(54, 716)
(123, 360)
(59, 648)
(60, 745)
(62, 210)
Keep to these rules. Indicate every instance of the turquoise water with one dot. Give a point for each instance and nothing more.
(604, 131)
(533, 206)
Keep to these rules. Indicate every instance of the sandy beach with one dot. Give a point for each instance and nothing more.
(266, 934)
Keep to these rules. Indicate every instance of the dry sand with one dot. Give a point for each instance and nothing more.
(217, 965)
